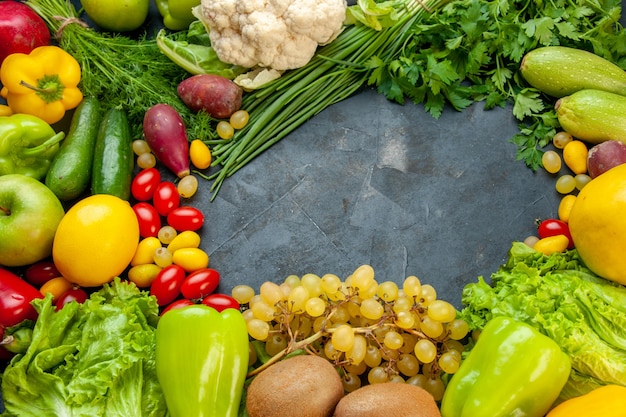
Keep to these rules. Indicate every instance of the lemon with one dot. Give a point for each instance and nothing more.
(117, 15)
(95, 240)
(598, 225)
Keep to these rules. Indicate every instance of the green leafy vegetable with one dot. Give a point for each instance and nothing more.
(91, 359)
(557, 294)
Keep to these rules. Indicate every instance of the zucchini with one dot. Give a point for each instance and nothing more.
(560, 71)
(113, 156)
(70, 171)
(593, 116)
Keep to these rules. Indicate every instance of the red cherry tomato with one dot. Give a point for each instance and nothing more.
(144, 184)
(166, 285)
(183, 302)
(41, 272)
(554, 227)
(166, 197)
(15, 297)
(220, 301)
(148, 218)
(185, 218)
(75, 294)
(200, 283)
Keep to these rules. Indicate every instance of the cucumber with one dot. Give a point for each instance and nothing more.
(113, 156)
(70, 170)
(593, 116)
(560, 71)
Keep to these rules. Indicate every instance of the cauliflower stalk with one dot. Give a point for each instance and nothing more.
(277, 35)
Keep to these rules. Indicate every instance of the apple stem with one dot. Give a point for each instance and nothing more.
(6, 212)
(36, 150)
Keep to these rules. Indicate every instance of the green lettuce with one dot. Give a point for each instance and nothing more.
(585, 314)
(90, 359)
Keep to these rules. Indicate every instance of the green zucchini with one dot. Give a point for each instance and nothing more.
(113, 156)
(70, 171)
(593, 116)
(560, 71)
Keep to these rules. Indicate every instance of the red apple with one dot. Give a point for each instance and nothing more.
(21, 29)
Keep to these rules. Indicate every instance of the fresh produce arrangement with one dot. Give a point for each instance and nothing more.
(110, 305)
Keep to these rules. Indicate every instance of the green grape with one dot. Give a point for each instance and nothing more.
(377, 375)
(356, 354)
(275, 343)
(315, 306)
(451, 344)
(166, 234)
(362, 278)
(373, 356)
(431, 328)
(224, 129)
(242, 293)
(372, 309)
(271, 293)
(551, 161)
(408, 364)
(370, 291)
(425, 350)
(343, 337)
(255, 299)
(341, 314)
(330, 352)
(187, 186)
(565, 184)
(252, 356)
(449, 362)
(318, 323)
(297, 299)
(146, 160)
(387, 291)
(354, 308)
(442, 311)
(162, 257)
(402, 303)
(292, 280)
(263, 311)
(140, 146)
(312, 283)
(581, 180)
(419, 380)
(435, 387)
(247, 314)
(239, 119)
(258, 329)
(429, 294)
(356, 369)
(396, 378)
(393, 340)
(405, 319)
(560, 139)
(457, 329)
(412, 287)
(408, 344)
(301, 327)
(350, 382)
(330, 284)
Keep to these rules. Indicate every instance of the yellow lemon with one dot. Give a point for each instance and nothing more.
(95, 240)
(598, 224)
(117, 15)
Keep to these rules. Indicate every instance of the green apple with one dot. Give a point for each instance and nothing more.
(29, 216)
(117, 15)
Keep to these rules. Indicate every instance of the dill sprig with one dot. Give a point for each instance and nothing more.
(121, 72)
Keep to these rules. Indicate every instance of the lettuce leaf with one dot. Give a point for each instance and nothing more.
(91, 359)
(585, 314)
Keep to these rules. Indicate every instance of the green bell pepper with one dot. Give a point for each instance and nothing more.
(27, 145)
(202, 360)
(512, 370)
(177, 14)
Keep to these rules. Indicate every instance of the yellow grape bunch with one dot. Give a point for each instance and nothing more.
(372, 332)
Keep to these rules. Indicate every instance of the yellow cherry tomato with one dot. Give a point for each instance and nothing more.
(575, 156)
(185, 239)
(95, 240)
(551, 244)
(5, 110)
(143, 275)
(145, 251)
(200, 154)
(190, 259)
(565, 207)
(56, 286)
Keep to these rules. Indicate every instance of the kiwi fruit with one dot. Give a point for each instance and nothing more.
(298, 386)
(388, 399)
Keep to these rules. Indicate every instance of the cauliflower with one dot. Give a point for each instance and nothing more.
(276, 34)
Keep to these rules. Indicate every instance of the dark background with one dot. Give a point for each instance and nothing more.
(368, 181)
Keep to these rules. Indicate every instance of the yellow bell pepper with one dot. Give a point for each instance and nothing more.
(606, 401)
(43, 83)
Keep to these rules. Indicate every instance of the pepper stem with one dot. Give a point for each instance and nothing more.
(47, 90)
(41, 148)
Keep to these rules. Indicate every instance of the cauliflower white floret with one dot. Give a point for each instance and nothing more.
(275, 34)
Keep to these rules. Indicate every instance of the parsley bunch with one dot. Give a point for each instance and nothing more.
(471, 50)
